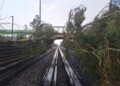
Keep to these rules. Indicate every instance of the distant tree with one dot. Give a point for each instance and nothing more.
(46, 31)
(76, 17)
(42, 29)
(36, 23)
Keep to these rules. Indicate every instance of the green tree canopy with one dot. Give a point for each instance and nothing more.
(42, 29)
(76, 17)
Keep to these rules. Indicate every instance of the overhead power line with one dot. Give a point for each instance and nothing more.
(2, 5)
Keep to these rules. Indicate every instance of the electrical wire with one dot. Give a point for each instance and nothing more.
(2, 5)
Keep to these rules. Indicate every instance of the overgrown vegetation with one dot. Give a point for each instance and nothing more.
(42, 29)
(34, 47)
(98, 46)
(40, 41)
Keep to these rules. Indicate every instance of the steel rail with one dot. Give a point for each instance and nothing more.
(74, 79)
(5, 55)
(50, 76)
(29, 62)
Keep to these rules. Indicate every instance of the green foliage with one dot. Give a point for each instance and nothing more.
(99, 50)
(76, 17)
(42, 30)
(46, 31)
(40, 42)
(79, 17)
(69, 27)
(36, 23)
(113, 34)
(34, 48)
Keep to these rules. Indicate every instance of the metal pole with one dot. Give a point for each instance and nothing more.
(12, 26)
(40, 11)
(25, 31)
(58, 30)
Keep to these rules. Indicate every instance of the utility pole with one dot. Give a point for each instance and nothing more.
(40, 11)
(26, 31)
(12, 26)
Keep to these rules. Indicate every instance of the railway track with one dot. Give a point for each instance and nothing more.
(9, 55)
(14, 69)
(60, 73)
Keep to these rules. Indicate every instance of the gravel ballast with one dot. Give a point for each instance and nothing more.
(33, 76)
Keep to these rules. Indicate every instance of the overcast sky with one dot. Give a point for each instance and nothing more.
(53, 11)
